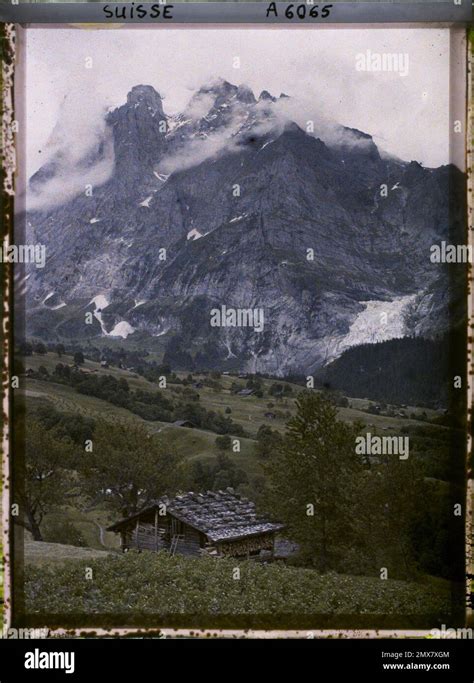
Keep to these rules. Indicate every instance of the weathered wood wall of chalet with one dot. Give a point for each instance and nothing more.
(148, 533)
(156, 535)
(191, 543)
(144, 536)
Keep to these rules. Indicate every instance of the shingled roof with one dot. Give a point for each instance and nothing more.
(221, 515)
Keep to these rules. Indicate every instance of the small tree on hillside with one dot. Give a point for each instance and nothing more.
(25, 348)
(223, 443)
(78, 358)
(268, 441)
(40, 348)
(60, 350)
(313, 481)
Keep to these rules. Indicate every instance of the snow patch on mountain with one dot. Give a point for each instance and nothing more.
(378, 322)
(100, 302)
(121, 329)
(175, 123)
(194, 235)
(161, 176)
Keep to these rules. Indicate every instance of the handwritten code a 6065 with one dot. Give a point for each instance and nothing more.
(293, 11)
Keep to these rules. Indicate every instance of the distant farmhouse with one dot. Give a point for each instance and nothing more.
(216, 523)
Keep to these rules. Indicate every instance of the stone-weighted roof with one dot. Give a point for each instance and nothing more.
(221, 515)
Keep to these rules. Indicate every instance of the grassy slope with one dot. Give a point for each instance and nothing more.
(247, 411)
(195, 444)
(39, 554)
(157, 584)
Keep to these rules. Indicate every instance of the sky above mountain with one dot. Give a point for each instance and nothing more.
(76, 75)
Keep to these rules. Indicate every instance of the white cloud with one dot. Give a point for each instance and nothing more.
(199, 106)
(407, 116)
(81, 146)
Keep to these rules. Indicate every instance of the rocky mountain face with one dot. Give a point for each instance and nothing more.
(232, 204)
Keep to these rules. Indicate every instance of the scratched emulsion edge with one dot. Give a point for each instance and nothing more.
(470, 340)
(7, 38)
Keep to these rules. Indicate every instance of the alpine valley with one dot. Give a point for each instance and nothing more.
(232, 203)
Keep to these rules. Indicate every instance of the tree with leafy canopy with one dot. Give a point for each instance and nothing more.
(386, 515)
(313, 475)
(25, 348)
(40, 349)
(268, 440)
(60, 350)
(223, 443)
(128, 467)
(43, 479)
(78, 358)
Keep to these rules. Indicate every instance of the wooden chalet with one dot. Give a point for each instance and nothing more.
(216, 523)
